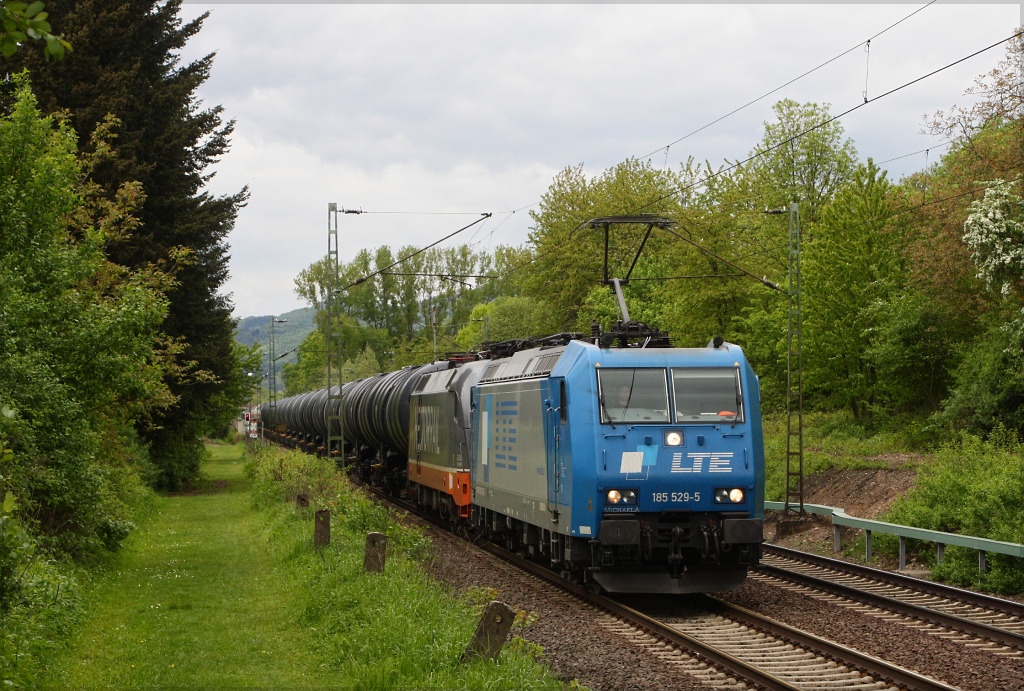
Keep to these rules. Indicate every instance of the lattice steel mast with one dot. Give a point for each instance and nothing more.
(332, 345)
(794, 376)
(273, 369)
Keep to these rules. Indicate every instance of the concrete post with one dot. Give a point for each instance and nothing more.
(376, 552)
(491, 632)
(322, 529)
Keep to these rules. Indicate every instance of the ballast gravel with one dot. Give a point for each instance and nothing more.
(576, 646)
(954, 663)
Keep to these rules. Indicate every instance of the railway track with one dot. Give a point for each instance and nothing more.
(718, 644)
(974, 619)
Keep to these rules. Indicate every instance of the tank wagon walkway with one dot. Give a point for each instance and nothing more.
(195, 599)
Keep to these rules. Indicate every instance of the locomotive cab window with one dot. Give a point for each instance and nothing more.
(707, 395)
(632, 395)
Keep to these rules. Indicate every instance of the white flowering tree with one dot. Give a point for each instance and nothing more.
(994, 231)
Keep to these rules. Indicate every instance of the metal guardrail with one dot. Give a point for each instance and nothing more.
(840, 518)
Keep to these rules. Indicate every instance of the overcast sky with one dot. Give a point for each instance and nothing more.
(423, 108)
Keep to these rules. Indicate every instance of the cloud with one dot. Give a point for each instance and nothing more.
(475, 108)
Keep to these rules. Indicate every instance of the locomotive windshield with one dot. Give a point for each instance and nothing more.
(707, 395)
(633, 395)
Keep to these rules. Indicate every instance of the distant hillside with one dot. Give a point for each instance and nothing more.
(298, 323)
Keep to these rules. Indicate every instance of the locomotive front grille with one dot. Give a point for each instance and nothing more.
(680, 528)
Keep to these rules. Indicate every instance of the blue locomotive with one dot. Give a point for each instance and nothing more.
(638, 469)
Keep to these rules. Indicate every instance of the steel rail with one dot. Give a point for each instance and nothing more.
(922, 586)
(927, 614)
(849, 656)
(652, 626)
(830, 649)
(719, 658)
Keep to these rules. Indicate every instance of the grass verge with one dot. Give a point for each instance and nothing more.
(396, 630)
(211, 593)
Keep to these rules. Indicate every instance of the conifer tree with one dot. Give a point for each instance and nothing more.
(125, 64)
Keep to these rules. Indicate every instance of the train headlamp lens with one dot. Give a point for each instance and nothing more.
(622, 496)
(729, 496)
(673, 438)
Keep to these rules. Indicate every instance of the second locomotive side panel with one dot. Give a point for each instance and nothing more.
(510, 472)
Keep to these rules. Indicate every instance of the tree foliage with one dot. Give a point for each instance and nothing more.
(84, 358)
(21, 21)
(853, 264)
(800, 159)
(994, 232)
(126, 64)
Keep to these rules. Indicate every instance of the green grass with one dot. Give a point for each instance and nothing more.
(197, 598)
(396, 630)
(212, 593)
(833, 440)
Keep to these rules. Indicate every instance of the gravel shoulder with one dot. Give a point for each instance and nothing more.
(575, 644)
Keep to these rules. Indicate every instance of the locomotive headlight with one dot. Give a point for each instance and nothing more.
(729, 496)
(622, 496)
(673, 438)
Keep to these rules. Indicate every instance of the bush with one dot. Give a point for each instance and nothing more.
(16, 548)
(972, 487)
(832, 440)
(988, 385)
(39, 604)
(278, 474)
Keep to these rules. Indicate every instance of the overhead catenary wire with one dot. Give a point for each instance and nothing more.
(894, 214)
(363, 279)
(756, 154)
(877, 219)
(769, 251)
(415, 213)
(914, 153)
(430, 275)
(827, 121)
(679, 278)
(783, 86)
(729, 168)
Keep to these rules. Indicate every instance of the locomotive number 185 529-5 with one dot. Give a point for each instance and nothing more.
(675, 497)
